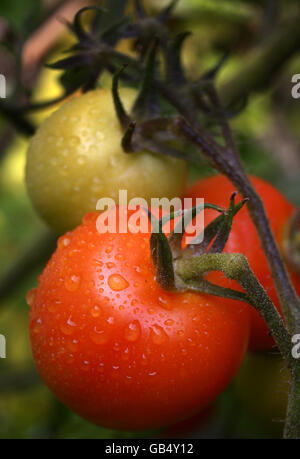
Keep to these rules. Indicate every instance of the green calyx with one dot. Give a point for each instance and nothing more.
(168, 251)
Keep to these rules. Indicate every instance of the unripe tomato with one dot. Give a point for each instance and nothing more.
(76, 158)
(262, 386)
(244, 239)
(119, 350)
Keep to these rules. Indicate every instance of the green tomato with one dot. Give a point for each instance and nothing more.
(262, 385)
(76, 158)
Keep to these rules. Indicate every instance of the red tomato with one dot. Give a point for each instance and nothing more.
(243, 239)
(115, 347)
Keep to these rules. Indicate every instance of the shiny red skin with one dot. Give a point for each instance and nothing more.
(243, 239)
(135, 357)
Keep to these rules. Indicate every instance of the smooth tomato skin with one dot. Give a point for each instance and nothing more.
(116, 348)
(75, 158)
(244, 239)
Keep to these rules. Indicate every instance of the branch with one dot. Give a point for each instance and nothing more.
(235, 266)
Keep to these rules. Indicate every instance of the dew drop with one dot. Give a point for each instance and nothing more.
(53, 306)
(164, 303)
(133, 331)
(169, 322)
(68, 328)
(80, 160)
(37, 326)
(73, 345)
(126, 354)
(144, 359)
(152, 373)
(99, 336)
(110, 265)
(158, 335)
(95, 311)
(30, 297)
(72, 283)
(117, 282)
(63, 242)
(116, 347)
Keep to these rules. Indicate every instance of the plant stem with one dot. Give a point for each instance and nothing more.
(235, 266)
(230, 165)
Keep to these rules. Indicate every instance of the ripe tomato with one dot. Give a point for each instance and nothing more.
(243, 239)
(75, 158)
(116, 348)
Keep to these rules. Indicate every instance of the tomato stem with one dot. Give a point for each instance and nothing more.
(236, 267)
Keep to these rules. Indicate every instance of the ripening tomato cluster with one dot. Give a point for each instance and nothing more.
(106, 338)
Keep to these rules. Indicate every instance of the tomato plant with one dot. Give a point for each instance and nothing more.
(243, 239)
(76, 158)
(119, 350)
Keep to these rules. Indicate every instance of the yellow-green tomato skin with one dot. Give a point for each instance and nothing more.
(75, 158)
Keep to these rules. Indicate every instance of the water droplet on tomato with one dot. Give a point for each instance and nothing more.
(73, 345)
(37, 326)
(53, 306)
(164, 302)
(95, 311)
(158, 335)
(110, 265)
(30, 297)
(152, 373)
(63, 242)
(133, 331)
(169, 322)
(117, 282)
(99, 336)
(144, 359)
(68, 327)
(72, 283)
